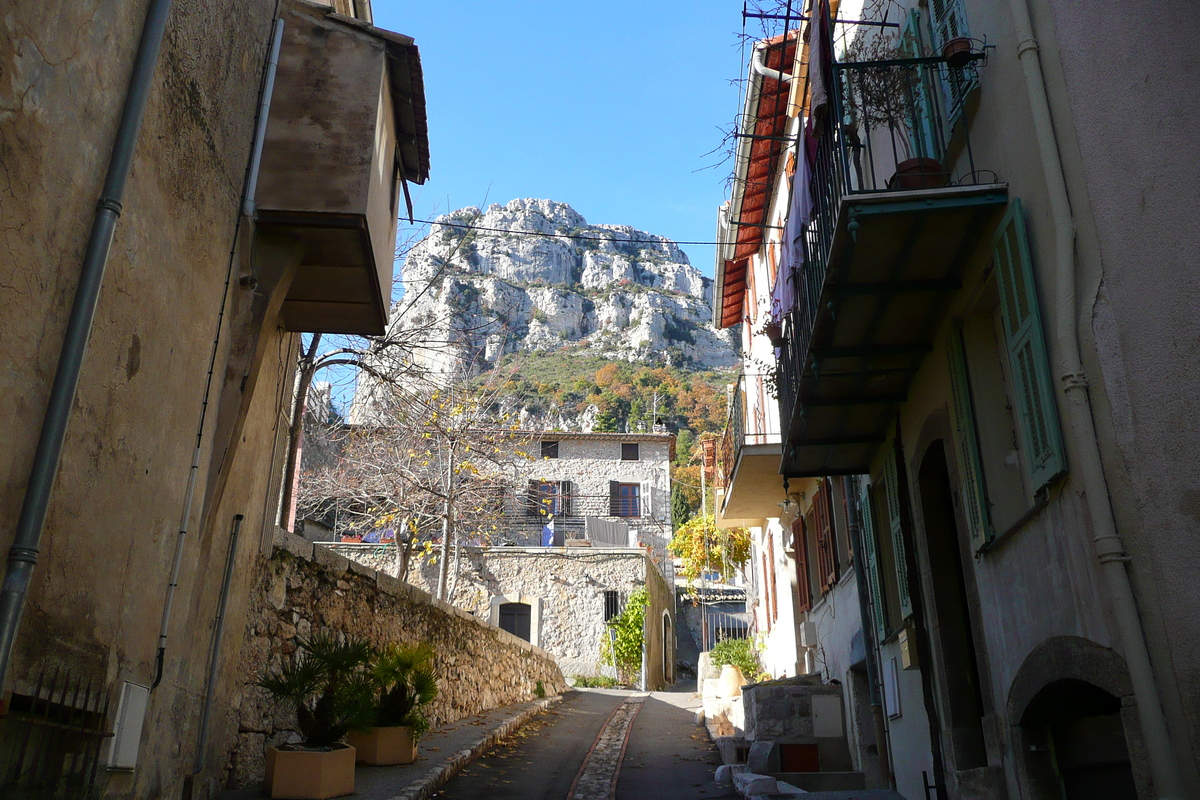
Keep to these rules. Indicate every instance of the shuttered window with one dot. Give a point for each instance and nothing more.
(1033, 388)
(871, 556)
(921, 121)
(803, 595)
(823, 523)
(974, 490)
(948, 19)
(565, 494)
(892, 488)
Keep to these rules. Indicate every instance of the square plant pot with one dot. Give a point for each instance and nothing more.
(310, 774)
(385, 746)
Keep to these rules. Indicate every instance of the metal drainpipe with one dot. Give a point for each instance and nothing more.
(218, 630)
(23, 555)
(194, 470)
(868, 630)
(1110, 549)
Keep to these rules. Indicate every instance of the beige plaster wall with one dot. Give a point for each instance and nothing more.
(98, 592)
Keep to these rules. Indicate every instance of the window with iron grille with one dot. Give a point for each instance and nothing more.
(624, 499)
(612, 604)
(629, 451)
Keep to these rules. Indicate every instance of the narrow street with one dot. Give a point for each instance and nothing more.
(647, 745)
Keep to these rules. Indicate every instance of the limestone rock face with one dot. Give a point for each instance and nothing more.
(615, 291)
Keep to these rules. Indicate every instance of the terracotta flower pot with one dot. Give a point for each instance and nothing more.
(919, 173)
(774, 332)
(730, 683)
(957, 52)
(385, 746)
(310, 774)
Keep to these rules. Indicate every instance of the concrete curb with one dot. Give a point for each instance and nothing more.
(422, 788)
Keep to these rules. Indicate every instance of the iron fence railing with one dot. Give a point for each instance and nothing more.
(748, 421)
(51, 740)
(893, 125)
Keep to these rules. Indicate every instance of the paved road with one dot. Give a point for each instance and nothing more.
(648, 746)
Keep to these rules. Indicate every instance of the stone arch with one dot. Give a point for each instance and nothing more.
(1076, 673)
(535, 613)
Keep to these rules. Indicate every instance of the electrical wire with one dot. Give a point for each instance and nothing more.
(465, 226)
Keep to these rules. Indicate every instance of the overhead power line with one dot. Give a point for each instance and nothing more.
(581, 237)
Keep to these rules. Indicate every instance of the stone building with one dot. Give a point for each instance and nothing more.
(972, 289)
(621, 477)
(236, 227)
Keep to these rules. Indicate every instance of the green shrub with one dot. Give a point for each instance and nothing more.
(621, 644)
(595, 681)
(741, 653)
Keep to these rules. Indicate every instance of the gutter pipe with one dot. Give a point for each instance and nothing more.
(23, 555)
(218, 631)
(760, 66)
(1110, 549)
(194, 471)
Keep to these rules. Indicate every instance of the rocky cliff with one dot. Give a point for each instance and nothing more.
(557, 284)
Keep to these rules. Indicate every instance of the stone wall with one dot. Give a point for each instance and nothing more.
(564, 586)
(301, 589)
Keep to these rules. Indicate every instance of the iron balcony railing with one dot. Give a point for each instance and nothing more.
(748, 421)
(892, 126)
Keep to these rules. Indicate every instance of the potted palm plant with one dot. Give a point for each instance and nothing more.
(404, 681)
(328, 684)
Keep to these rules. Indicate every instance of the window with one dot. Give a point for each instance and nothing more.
(624, 499)
(545, 498)
(827, 564)
(629, 451)
(612, 604)
(515, 618)
(549, 449)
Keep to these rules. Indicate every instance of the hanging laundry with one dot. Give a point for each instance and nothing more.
(820, 60)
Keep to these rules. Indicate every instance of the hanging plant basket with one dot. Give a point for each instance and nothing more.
(957, 52)
(774, 332)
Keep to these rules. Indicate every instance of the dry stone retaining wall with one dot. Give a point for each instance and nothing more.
(301, 589)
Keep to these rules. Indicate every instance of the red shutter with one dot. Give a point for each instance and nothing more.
(804, 596)
(823, 517)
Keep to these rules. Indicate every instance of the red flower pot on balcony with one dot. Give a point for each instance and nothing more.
(919, 173)
(774, 332)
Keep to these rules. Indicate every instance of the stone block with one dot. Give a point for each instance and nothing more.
(291, 543)
(335, 564)
(725, 773)
(363, 569)
(748, 784)
(764, 756)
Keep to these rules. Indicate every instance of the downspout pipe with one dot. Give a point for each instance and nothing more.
(215, 658)
(758, 63)
(1110, 549)
(23, 554)
(194, 471)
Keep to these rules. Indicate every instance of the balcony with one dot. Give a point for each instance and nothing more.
(891, 234)
(346, 129)
(748, 472)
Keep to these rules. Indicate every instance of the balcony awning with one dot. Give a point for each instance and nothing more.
(896, 259)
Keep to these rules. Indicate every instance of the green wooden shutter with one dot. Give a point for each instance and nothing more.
(974, 489)
(921, 119)
(949, 21)
(871, 554)
(891, 484)
(1033, 387)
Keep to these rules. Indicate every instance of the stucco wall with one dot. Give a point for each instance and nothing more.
(302, 589)
(99, 589)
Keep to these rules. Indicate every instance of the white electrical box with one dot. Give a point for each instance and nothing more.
(827, 715)
(808, 634)
(127, 730)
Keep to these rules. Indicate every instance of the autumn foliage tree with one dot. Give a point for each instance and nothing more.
(702, 547)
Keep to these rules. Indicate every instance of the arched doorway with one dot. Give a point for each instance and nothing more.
(1075, 746)
(951, 627)
(515, 618)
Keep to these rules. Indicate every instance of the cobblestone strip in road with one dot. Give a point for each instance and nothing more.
(597, 778)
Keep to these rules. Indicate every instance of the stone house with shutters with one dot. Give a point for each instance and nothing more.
(962, 275)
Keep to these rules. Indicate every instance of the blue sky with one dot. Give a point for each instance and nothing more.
(607, 106)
